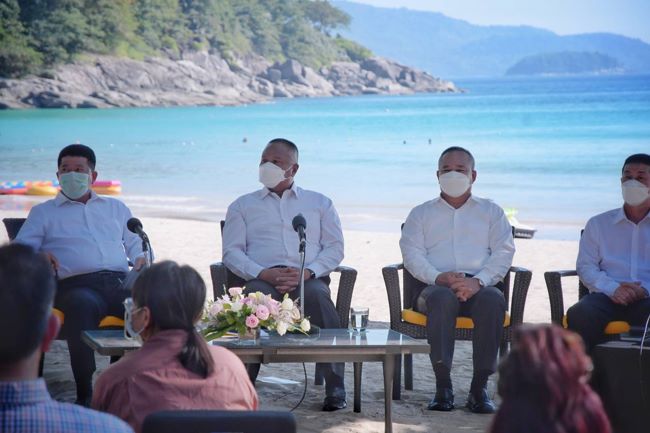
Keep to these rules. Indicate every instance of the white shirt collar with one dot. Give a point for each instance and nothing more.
(60, 198)
(265, 191)
(439, 199)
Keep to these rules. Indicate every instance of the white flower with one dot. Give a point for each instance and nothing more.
(295, 314)
(281, 328)
(236, 306)
(235, 291)
(287, 304)
(305, 325)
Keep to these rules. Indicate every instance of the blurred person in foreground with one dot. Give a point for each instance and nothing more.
(175, 369)
(614, 259)
(28, 327)
(543, 383)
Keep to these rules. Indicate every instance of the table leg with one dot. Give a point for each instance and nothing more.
(357, 386)
(389, 366)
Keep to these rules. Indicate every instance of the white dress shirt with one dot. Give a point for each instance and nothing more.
(475, 239)
(613, 250)
(84, 238)
(258, 233)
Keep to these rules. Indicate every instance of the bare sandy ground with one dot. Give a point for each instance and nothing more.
(198, 243)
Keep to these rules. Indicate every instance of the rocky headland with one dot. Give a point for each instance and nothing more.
(201, 78)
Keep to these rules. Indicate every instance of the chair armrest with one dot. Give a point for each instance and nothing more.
(391, 280)
(554, 286)
(219, 274)
(344, 296)
(520, 287)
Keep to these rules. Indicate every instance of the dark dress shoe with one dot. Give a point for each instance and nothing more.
(334, 403)
(480, 402)
(443, 400)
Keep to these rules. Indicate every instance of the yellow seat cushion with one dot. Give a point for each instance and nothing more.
(410, 316)
(106, 321)
(614, 327)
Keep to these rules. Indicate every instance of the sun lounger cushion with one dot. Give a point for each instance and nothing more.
(613, 328)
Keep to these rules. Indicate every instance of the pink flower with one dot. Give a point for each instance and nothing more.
(247, 301)
(252, 321)
(262, 312)
(235, 291)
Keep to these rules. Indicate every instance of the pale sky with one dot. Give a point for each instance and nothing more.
(626, 17)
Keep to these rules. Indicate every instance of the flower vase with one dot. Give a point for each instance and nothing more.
(251, 336)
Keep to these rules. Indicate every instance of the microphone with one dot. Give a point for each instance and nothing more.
(300, 224)
(135, 226)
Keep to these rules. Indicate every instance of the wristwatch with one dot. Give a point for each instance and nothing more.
(312, 275)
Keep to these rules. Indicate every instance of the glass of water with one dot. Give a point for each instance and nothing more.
(359, 319)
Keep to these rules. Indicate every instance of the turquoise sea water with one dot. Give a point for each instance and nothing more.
(550, 147)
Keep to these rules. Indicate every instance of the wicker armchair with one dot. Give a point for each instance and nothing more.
(555, 294)
(223, 277)
(405, 320)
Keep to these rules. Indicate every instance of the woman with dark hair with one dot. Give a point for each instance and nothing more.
(175, 369)
(543, 385)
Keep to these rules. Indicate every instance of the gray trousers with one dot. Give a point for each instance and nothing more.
(487, 309)
(321, 311)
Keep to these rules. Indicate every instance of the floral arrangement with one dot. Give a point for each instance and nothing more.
(234, 312)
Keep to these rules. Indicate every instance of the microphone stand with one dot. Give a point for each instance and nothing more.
(301, 251)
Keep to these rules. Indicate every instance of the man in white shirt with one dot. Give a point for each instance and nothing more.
(459, 247)
(614, 259)
(261, 246)
(88, 244)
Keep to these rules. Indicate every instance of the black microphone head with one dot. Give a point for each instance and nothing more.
(299, 221)
(134, 225)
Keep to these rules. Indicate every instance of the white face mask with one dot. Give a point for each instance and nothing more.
(129, 332)
(74, 185)
(271, 175)
(453, 183)
(634, 192)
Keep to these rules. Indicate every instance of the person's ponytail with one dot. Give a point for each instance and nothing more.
(195, 355)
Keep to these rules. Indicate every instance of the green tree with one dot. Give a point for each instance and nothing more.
(17, 56)
(324, 16)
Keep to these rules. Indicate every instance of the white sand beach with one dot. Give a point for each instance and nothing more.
(198, 243)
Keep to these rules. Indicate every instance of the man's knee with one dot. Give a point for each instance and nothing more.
(490, 298)
(315, 291)
(258, 285)
(84, 305)
(437, 297)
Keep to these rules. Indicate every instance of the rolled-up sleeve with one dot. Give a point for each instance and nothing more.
(502, 249)
(588, 262)
(331, 241)
(234, 245)
(414, 252)
(32, 233)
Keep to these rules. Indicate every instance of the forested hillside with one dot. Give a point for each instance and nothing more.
(37, 34)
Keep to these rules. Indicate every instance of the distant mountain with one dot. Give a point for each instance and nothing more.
(565, 63)
(454, 48)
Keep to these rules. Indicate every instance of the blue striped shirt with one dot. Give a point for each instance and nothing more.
(26, 407)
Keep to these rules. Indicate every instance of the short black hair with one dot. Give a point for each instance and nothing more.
(27, 288)
(78, 150)
(637, 158)
(290, 144)
(457, 149)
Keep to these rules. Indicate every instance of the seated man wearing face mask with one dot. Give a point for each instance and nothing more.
(614, 259)
(89, 246)
(261, 246)
(459, 246)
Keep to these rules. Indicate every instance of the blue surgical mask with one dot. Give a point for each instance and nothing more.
(74, 185)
